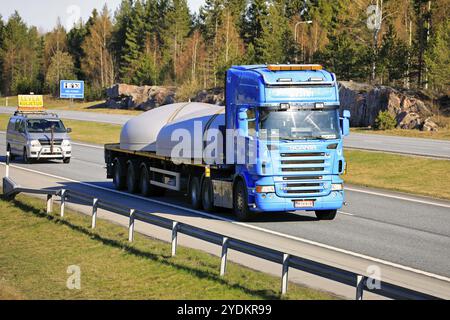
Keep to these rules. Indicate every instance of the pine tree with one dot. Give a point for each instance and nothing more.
(75, 39)
(179, 25)
(437, 58)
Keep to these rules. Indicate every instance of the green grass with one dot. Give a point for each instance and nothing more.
(442, 134)
(36, 250)
(83, 131)
(52, 103)
(416, 175)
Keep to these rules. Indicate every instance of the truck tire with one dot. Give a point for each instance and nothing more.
(132, 178)
(195, 193)
(119, 176)
(326, 215)
(146, 188)
(207, 195)
(240, 202)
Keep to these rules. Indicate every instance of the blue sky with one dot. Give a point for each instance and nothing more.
(44, 13)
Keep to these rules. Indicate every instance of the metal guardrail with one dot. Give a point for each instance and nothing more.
(287, 261)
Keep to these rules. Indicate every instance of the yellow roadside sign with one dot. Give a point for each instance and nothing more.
(31, 103)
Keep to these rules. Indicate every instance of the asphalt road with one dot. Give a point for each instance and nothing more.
(402, 145)
(402, 229)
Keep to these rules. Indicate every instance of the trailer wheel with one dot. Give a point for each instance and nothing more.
(146, 188)
(195, 193)
(326, 215)
(207, 195)
(132, 180)
(119, 176)
(240, 202)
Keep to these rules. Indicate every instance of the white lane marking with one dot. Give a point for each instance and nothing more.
(398, 197)
(346, 213)
(314, 243)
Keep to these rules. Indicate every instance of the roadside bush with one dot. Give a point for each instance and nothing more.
(385, 121)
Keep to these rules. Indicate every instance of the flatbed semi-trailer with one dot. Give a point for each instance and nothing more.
(290, 113)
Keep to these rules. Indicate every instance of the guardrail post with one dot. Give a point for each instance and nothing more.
(223, 264)
(8, 157)
(63, 202)
(131, 226)
(49, 203)
(284, 275)
(174, 238)
(94, 213)
(360, 283)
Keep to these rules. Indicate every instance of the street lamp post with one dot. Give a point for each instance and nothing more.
(296, 34)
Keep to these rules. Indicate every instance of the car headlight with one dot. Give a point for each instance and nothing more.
(337, 187)
(265, 189)
(66, 143)
(35, 143)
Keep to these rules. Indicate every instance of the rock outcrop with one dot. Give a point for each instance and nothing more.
(123, 96)
(365, 102)
(213, 96)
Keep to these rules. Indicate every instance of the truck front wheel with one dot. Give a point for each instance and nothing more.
(240, 202)
(326, 215)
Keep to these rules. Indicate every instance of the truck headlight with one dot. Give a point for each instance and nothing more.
(66, 143)
(337, 187)
(35, 143)
(265, 189)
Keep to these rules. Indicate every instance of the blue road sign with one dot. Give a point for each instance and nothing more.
(71, 89)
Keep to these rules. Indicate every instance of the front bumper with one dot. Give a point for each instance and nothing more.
(273, 203)
(59, 152)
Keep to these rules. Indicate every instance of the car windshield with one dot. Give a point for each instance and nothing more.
(45, 125)
(299, 125)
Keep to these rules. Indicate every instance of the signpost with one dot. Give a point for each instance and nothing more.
(71, 89)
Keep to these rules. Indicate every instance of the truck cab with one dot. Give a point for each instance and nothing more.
(291, 113)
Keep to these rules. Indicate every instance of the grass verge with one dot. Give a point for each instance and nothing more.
(63, 104)
(442, 134)
(416, 175)
(37, 250)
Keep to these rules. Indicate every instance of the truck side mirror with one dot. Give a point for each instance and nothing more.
(243, 123)
(346, 123)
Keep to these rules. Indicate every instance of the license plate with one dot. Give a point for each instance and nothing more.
(304, 204)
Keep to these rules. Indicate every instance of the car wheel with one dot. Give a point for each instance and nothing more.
(11, 155)
(66, 160)
(26, 159)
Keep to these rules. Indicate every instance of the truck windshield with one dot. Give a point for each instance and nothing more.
(45, 125)
(299, 125)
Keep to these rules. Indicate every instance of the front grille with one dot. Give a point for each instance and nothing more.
(302, 185)
(47, 142)
(302, 169)
(302, 161)
(302, 178)
(310, 154)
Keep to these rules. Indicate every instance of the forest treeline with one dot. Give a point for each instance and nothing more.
(160, 42)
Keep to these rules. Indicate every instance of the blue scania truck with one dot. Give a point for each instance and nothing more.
(289, 112)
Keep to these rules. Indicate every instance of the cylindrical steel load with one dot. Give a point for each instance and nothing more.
(153, 131)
